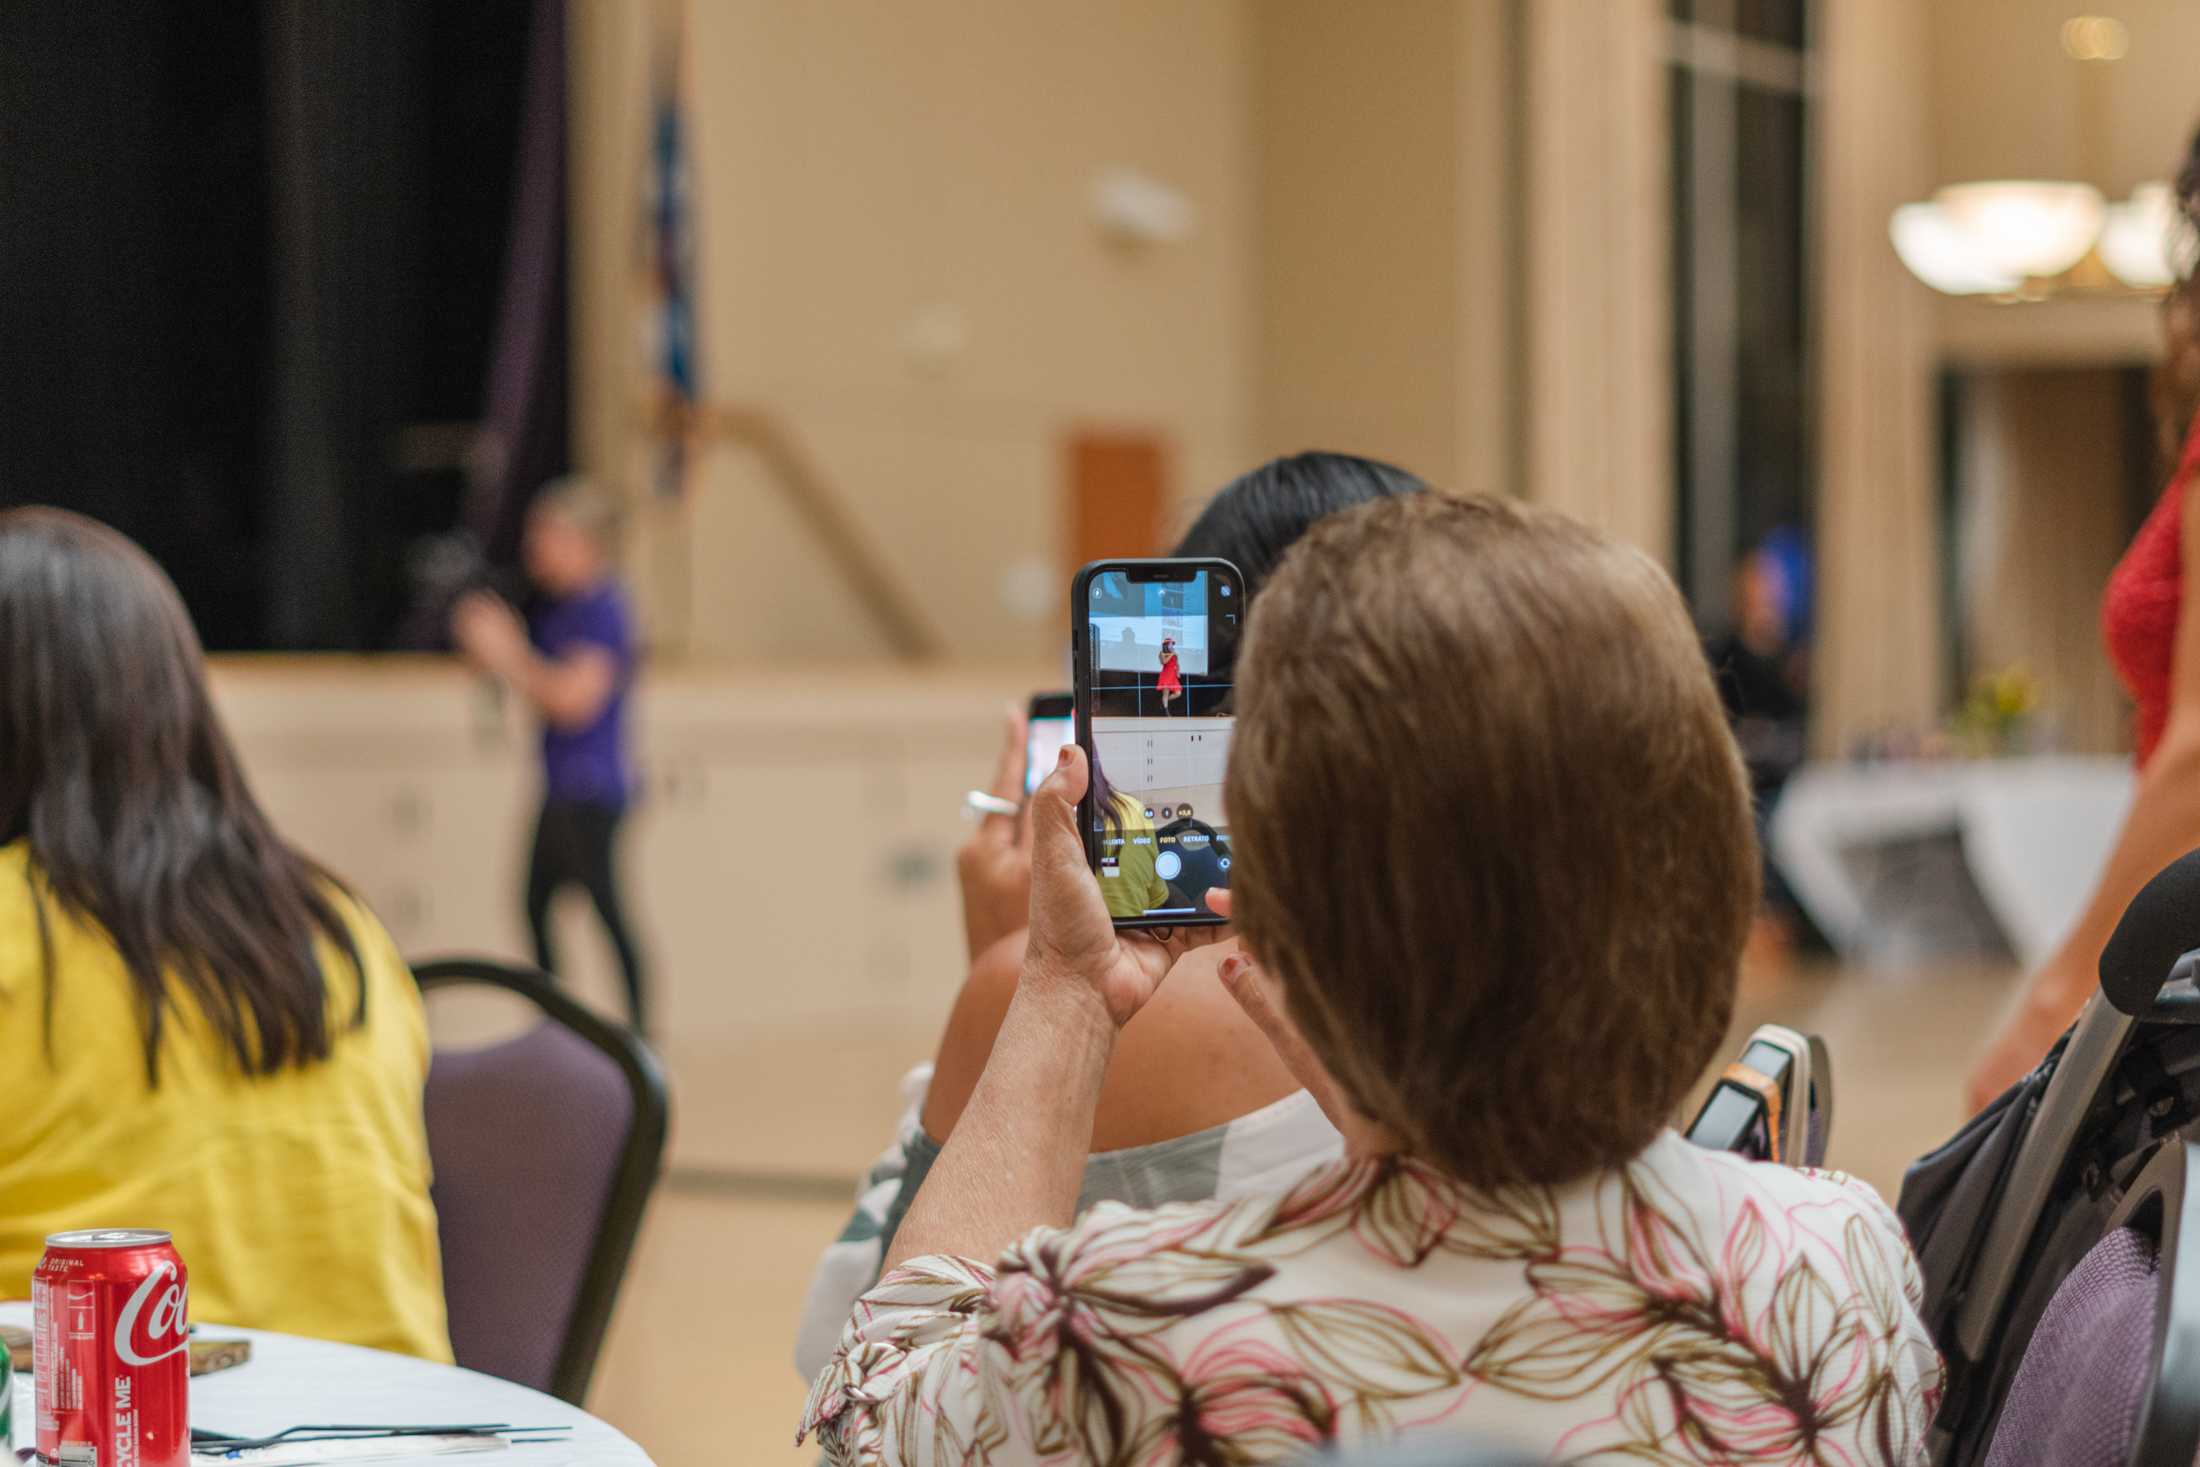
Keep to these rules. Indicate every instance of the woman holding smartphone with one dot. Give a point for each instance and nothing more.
(1196, 1104)
(1499, 977)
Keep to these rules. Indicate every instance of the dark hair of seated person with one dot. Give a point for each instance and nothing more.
(1191, 1059)
(1255, 518)
(116, 772)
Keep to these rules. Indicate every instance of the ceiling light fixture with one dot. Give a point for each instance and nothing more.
(2037, 239)
(2095, 38)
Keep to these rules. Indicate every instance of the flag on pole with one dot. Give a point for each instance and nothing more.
(668, 270)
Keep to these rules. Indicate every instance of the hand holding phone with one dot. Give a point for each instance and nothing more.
(1076, 947)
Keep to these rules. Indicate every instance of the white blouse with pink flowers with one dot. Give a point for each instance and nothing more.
(1688, 1308)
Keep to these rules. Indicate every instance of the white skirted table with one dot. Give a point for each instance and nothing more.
(290, 1381)
(1891, 859)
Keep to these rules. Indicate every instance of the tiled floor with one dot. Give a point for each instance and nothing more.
(699, 1368)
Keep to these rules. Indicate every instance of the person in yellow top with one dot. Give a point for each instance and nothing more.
(200, 1030)
(1131, 887)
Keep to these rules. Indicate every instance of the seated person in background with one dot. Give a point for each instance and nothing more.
(1196, 1106)
(200, 1030)
(1760, 676)
(1494, 871)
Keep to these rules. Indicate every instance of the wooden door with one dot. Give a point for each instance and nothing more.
(1118, 495)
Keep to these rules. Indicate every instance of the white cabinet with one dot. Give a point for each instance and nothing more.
(789, 866)
(400, 777)
(749, 880)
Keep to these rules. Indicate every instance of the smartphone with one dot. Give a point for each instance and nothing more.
(1050, 721)
(1153, 646)
(1773, 1104)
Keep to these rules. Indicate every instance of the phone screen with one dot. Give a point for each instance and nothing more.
(1160, 644)
(1733, 1118)
(1045, 734)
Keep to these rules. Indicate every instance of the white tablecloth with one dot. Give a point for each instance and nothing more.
(2030, 833)
(290, 1381)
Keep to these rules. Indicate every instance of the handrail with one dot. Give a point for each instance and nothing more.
(826, 514)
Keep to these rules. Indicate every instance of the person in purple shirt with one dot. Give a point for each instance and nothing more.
(572, 660)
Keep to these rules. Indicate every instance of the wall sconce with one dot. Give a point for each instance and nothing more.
(1135, 209)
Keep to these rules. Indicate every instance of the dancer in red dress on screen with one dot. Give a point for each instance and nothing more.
(2150, 618)
(1170, 685)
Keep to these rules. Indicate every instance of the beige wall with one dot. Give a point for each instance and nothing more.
(863, 170)
(1414, 303)
(2008, 103)
(1383, 311)
(1360, 275)
(1599, 399)
(1878, 660)
(2042, 525)
(866, 170)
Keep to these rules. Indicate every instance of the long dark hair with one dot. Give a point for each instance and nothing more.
(1256, 517)
(116, 772)
(2177, 380)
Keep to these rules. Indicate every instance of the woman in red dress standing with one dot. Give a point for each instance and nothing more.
(1170, 685)
(2150, 618)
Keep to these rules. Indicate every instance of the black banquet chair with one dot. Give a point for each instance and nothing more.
(546, 1148)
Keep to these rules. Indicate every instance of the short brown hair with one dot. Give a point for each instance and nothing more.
(1493, 834)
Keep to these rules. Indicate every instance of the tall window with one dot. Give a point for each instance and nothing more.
(1742, 339)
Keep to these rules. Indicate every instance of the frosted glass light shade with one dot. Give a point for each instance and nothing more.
(1942, 256)
(2144, 241)
(2024, 227)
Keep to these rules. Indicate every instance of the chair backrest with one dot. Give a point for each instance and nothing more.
(2076, 1398)
(546, 1148)
(2084, 1070)
(2111, 1376)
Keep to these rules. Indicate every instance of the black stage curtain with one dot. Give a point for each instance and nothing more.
(343, 120)
(242, 247)
(133, 194)
(526, 436)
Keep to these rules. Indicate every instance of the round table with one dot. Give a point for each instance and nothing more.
(291, 1380)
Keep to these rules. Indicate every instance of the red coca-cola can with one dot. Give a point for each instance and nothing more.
(110, 1356)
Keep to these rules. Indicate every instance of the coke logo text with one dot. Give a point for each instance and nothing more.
(165, 1322)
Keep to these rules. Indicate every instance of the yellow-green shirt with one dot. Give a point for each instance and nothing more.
(1135, 888)
(299, 1200)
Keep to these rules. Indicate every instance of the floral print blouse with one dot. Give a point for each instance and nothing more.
(1690, 1307)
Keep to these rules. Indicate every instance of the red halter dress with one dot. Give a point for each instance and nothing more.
(2139, 610)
